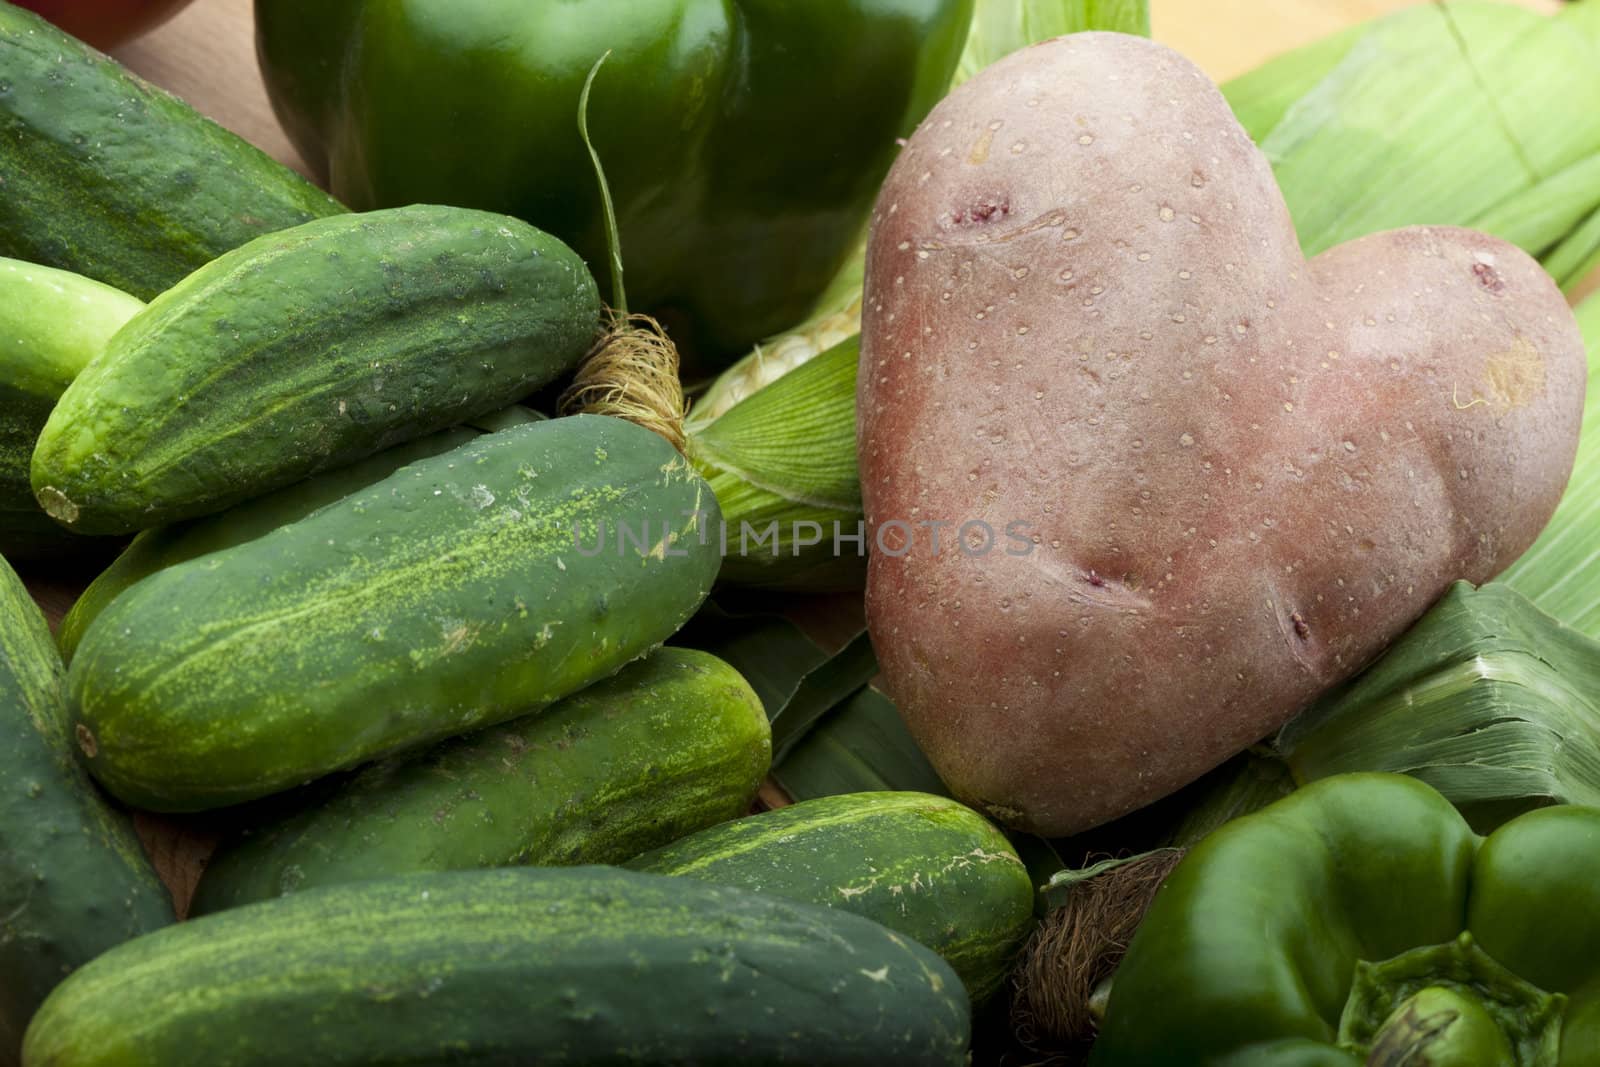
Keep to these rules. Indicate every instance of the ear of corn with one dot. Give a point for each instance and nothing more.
(1561, 572)
(1441, 114)
(782, 462)
(837, 318)
(1488, 699)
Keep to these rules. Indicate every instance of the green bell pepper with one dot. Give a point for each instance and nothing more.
(1359, 920)
(744, 140)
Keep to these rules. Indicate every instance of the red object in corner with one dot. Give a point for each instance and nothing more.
(105, 23)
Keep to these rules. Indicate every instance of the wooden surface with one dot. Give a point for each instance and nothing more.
(206, 54)
(1229, 37)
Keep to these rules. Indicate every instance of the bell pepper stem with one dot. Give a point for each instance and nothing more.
(1452, 1005)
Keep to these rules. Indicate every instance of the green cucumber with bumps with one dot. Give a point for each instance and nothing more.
(109, 177)
(576, 965)
(923, 865)
(73, 879)
(52, 323)
(464, 590)
(166, 546)
(306, 350)
(673, 743)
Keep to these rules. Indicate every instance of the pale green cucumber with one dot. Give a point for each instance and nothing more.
(52, 323)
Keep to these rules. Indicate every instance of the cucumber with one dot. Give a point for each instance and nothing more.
(309, 349)
(52, 323)
(923, 865)
(461, 591)
(673, 743)
(156, 549)
(73, 879)
(577, 965)
(109, 177)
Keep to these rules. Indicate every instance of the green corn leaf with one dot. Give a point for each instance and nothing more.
(1487, 699)
(1561, 572)
(1438, 114)
(861, 746)
(782, 462)
(788, 435)
(832, 732)
(770, 651)
(822, 690)
(1577, 256)
(837, 319)
(1000, 27)
(1260, 98)
(1247, 782)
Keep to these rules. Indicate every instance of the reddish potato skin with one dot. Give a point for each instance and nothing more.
(105, 24)
(1087, 312)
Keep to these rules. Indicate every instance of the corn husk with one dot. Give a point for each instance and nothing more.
(1561, 572)
(1491, 701)
(1000, 27)
(1465, 113)
(782, 463)
(836, 319)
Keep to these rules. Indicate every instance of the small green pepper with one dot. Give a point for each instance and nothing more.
(744, 140)
(1360, 921)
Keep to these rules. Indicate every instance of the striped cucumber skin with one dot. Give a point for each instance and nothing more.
(109, 177)
(923, 865)
(673, 743)
(165, 546)
(73, 879)
(578, 965)
(52, 323)
(461, 591)
(306, 350)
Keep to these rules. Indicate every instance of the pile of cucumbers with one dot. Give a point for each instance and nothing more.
(412, 635)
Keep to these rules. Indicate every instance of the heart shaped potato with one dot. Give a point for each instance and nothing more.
(1230, 476)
